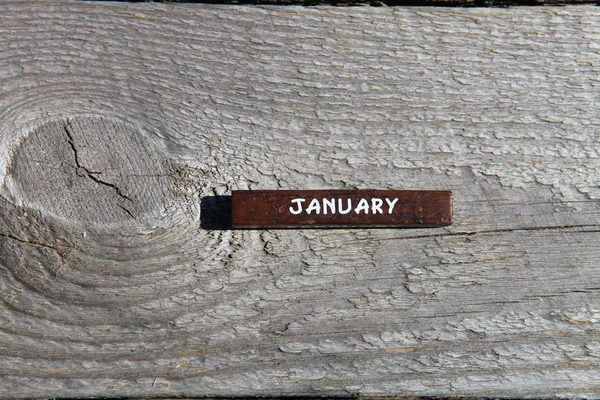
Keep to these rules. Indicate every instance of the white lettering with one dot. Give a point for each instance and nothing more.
(299, 204)
(391, 204)
(329, 206)
(329, 203)
(314, 206)
(347, 210)
(363, 205)
(376, 206)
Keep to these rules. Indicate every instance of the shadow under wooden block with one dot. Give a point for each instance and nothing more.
(215, 213)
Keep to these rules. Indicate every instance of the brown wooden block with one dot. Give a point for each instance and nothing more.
(341, 208)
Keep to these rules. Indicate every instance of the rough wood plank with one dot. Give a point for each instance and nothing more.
(117, 119)
(392, 3)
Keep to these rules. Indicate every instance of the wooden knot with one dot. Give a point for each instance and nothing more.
(92, 211)
(91, 170)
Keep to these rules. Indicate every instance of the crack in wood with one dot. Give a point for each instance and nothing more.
(28, 242)
(508, 230)
(90, 174)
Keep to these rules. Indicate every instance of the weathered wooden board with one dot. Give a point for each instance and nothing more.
(121, 124)
(393, 3)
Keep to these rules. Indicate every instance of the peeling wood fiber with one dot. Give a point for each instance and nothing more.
(116, 120)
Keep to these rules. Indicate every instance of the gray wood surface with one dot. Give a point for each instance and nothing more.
(392, 3)
(119, 123)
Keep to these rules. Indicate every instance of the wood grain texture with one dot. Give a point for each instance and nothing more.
(392, 3)
(117, 119)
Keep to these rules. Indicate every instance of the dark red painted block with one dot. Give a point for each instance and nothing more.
(341, 208)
